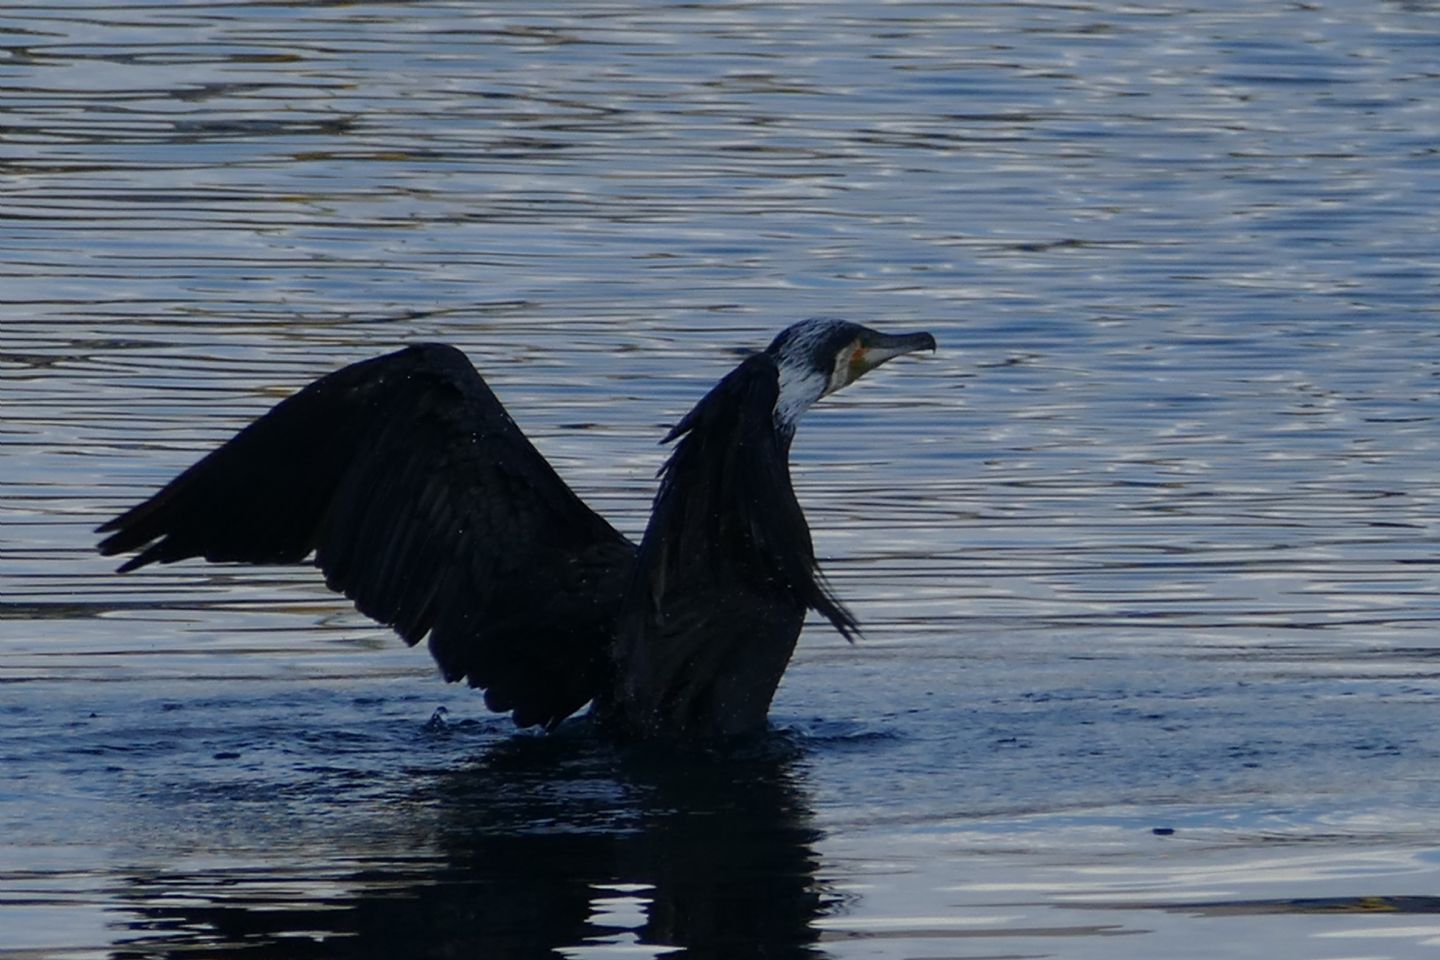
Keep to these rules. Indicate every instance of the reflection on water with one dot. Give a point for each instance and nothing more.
(539, 844)
(1150, 545)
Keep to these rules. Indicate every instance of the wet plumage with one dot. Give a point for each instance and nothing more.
(425, 504)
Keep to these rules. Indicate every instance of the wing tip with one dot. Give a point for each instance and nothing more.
(147, 556)
(113, 544)
(134, 563)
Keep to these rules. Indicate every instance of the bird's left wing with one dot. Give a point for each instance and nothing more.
(425, 504)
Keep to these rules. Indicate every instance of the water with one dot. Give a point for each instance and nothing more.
(1146, 555)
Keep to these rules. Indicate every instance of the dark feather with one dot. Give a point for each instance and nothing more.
(423, 502)
(724, 573)
(427, 506)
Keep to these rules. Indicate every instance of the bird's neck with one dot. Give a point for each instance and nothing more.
(800, 387)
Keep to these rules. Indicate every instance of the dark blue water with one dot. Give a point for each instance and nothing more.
(1146, 555)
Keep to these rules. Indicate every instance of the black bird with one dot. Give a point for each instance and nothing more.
(426, 505)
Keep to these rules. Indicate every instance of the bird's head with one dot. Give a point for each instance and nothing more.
(818, 356)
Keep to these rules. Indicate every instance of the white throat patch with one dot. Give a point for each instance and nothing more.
(800, 386)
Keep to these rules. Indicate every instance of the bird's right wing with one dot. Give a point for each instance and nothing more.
(425, 504)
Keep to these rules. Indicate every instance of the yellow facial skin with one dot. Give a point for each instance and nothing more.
(859, 365)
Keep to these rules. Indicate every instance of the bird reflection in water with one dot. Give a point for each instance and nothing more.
(558, 846)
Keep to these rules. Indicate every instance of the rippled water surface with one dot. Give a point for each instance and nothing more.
(1146, 554)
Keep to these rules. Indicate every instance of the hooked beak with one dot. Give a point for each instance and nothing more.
(873, 348)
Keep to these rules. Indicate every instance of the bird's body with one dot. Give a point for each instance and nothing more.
(425, 504)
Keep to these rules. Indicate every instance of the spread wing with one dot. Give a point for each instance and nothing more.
(426, 505)
(724, 573)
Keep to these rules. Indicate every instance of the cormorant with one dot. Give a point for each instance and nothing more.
(426, 505)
